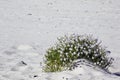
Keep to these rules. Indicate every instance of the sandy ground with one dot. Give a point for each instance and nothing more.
(29, 27)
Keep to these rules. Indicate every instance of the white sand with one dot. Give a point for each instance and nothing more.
(29, 27)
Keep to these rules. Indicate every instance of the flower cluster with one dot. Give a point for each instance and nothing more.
(73, 47)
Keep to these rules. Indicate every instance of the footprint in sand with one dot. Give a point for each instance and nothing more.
(19, 66)
(24, 47)
(9, 52)
(27, 50)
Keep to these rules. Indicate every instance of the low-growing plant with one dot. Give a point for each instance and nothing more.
(73, 47)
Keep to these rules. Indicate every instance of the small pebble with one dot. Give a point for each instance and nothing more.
(35, 75)
(29, 14)
(23, 62)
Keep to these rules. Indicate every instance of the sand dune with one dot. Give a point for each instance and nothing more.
(29, 27)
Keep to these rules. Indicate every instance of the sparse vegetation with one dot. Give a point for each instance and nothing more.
(73, 47)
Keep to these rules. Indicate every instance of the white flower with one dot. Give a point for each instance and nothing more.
(86, 52)
(75, 47)
(70, 49)
(55, 66)
(81, 47)
(97, 62)
(93, 58)
(74, 52)
(81, 52)
(62, 49)
(61, 52)
(60, 59)
(101, 61)
(92, 46)
(71, 45)
(94, 63)
(89, 50)
(84, 48)
(95, 54)
(94, 51)
(78, 54)
(64, 59)
(66, 53)
(68, 45)
(97, 49)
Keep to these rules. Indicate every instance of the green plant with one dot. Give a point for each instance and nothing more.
(73, 47)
